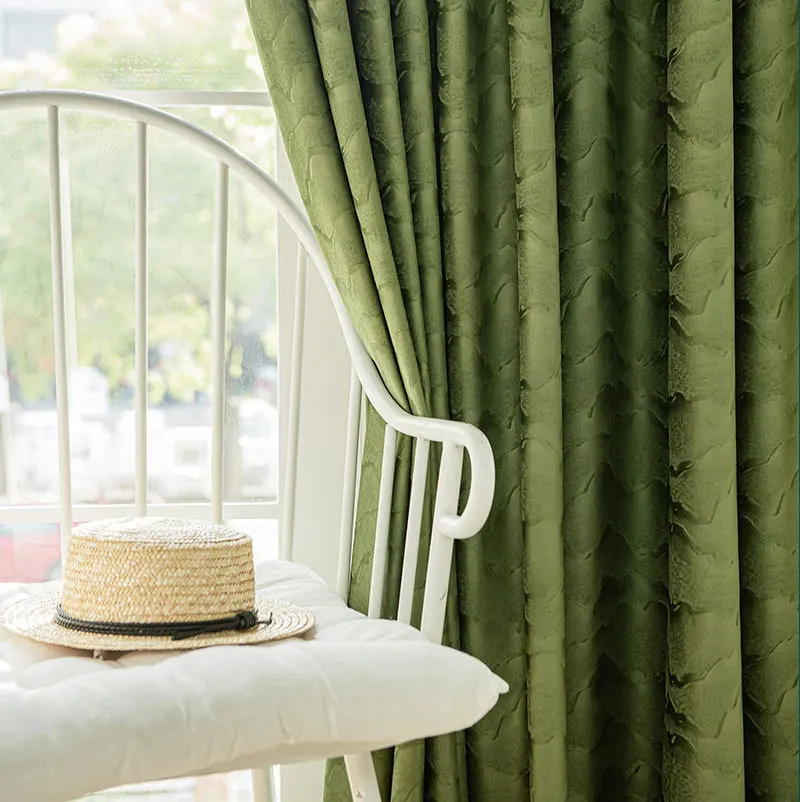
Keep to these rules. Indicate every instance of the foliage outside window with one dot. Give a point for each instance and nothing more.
(154, 46)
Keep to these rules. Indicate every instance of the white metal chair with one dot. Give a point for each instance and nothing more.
(455, 438)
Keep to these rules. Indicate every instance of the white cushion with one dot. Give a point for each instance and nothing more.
(71, 724)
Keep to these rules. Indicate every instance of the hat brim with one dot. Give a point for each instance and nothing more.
(34, 617)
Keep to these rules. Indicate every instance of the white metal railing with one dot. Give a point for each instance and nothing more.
(351, 463)
(382, 523)
(448, 524)
(419, 478)
(218, 294)
(66, 511)
(140, 318)
(298, 335)
(456, 438)
(59, 320)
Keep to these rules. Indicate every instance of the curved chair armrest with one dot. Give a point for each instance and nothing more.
(464, 435)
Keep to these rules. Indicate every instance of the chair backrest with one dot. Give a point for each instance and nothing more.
(448, 524)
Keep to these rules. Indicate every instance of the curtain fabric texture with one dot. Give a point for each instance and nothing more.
(574, 224)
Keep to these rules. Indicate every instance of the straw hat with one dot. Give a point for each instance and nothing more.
(155, 583)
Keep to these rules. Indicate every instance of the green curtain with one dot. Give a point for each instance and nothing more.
(574, 224)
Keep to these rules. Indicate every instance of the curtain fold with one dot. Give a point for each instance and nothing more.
(574, 224)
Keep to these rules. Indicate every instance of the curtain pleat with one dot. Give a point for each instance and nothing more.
(766, 226)
(541, 446)
(574, 225)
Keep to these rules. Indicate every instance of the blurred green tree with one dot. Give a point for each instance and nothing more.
(171, 44)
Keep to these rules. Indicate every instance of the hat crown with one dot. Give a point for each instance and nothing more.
(154, 570)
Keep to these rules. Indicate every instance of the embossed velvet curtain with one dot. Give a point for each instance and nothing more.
(574, 224)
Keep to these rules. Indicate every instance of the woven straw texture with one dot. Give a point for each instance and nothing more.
(32, 617)
(155, 570)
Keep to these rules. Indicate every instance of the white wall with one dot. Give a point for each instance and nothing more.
(323, 419)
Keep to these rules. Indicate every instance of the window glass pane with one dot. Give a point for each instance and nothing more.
(128, 44)
(180, 346)
(28, 450)
(98, 185)
(251, 420)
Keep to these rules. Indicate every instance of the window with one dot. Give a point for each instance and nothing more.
(29, 31)
(194, 58)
